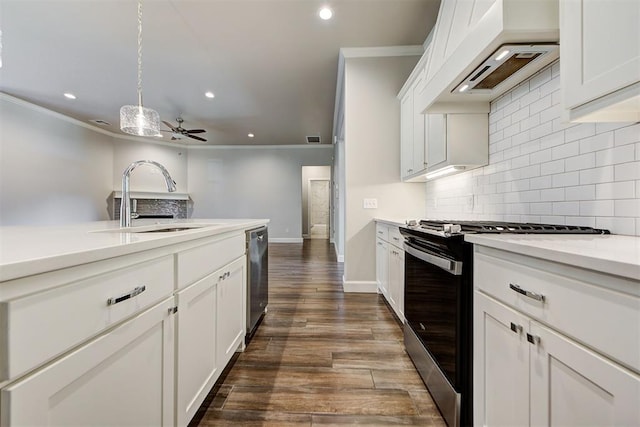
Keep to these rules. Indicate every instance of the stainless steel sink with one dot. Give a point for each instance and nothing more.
(167, 230)
(161, 228)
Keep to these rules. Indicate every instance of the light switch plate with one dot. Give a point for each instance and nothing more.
(370, 203)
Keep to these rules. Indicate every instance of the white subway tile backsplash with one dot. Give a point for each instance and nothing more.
(596, 175)
(630, 207)
(540, 182)
(567, 149)
(566, 208)
(627, 135)
(627, 171)
(543, 169)
(565, 179)
(581, 131)
(616, 190)
(596, 208)
(614, 156)
(597, 142)
(553, 195)
(580, 192)
(584, 161)
(548, 168)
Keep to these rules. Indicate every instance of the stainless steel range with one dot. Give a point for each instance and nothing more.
(438, 332)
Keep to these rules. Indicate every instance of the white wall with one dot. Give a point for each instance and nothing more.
(145, 177)
(372, 161)
(253, 182)
(543, 170)
(53, 170)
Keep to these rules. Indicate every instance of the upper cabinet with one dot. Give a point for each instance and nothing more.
(413, 162)
(468, 68)
(600, 66)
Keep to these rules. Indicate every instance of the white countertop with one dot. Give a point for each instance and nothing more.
(28, 250)
(392, 221)
(612, 254)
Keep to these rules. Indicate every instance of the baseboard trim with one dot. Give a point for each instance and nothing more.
(339, 258)
(286, 239)
(364, 286)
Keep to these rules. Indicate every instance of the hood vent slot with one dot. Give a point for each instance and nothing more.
(313, 140)
(502, 65)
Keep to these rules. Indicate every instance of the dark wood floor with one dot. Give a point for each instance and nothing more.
(320, 357)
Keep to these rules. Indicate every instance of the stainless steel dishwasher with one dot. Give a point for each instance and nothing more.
(257, 278)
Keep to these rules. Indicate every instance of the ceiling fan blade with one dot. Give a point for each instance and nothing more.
(169, 125)
(196, 131)
(197, 137)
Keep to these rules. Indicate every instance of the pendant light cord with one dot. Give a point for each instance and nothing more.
(140, 53)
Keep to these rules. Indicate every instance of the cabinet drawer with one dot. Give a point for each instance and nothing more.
(382, 231)
(603, 319)
(44, 325)
(395, 238)
(195, 263)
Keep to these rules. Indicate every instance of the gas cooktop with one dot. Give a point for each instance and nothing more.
(453, 227)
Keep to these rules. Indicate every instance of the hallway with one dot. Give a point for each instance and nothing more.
(320, 357)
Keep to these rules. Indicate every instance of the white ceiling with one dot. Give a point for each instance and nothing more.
(272, 64)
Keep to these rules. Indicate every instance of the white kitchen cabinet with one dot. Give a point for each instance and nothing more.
(124, 377)
(600, 60)
(197, 365)
(231, 309)
(382, 267)
(396, 280)
(527, 374)
(549, 345)
(390, 267)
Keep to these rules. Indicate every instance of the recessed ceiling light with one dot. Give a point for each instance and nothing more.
(69, 95)
(250, 135)
(209, 94)
(325, 13)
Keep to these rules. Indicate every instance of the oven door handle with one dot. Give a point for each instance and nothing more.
(453, 267)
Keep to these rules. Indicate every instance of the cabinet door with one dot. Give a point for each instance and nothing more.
(501, 364)
(231, 317)
(406, 134)
(572, 386)
(436, 139)
(197, 369)
(396, 280)
(600, 44)
(122, 378)
(382, 267)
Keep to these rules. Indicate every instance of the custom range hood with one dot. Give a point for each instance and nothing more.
(482, 48)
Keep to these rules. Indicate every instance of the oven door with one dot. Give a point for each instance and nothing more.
(433, 292)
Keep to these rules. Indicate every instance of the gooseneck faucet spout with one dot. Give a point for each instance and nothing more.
(125, 202)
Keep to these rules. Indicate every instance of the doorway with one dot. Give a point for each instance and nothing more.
(316, 202)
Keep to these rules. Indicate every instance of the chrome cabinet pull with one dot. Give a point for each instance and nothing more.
(136, 291)
(516, 328)
(533, 339)
(532, 295)
(173, 310)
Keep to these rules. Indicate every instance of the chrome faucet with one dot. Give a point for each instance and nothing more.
(125, 202)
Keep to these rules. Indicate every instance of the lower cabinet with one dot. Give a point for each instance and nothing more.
(197, 367)
(390, 267)
(382, 267)
(528, 374)
(396, 280)
(231, 310)
(124, 377)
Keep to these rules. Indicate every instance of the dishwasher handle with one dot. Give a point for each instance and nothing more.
(448, 265)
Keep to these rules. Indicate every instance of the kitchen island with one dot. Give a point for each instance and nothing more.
(110, 326)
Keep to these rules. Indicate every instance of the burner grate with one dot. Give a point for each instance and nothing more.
(511, 227)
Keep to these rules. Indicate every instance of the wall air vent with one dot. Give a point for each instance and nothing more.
(313, 139)
(100, 122)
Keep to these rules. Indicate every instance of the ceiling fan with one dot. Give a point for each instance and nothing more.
(178, 132)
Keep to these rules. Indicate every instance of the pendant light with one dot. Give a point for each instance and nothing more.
(136, 119)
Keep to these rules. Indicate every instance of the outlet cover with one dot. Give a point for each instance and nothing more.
(370, 203)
